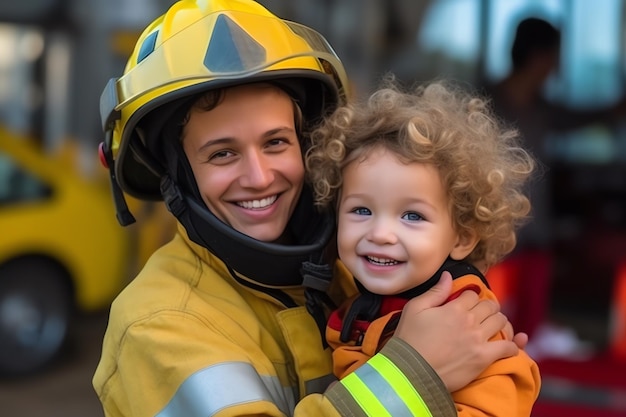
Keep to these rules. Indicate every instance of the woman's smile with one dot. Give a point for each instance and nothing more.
(258, 204)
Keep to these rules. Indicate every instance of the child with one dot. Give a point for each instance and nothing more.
(423, 182)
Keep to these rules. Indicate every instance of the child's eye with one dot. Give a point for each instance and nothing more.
(412, 216)
(361, 211)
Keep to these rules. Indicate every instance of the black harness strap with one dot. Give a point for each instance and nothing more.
(367, 305)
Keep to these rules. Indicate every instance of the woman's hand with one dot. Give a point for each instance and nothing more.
(454, 337)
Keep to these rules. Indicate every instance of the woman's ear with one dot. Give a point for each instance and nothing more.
(465, 244)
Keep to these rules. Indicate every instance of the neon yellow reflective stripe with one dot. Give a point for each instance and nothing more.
(381, 389)
(401, 385)
(364, 396)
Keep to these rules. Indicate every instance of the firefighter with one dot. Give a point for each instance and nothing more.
(211, 115)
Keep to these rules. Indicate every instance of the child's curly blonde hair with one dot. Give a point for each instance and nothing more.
(481, 164)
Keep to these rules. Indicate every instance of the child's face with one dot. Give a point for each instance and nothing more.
(395, 228)
(246, 159)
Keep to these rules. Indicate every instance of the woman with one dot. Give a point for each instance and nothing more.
(211, 115)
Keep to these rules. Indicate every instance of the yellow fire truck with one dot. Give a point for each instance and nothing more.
(62, 251)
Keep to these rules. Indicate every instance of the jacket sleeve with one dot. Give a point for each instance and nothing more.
(175, 364)
(507, 388)
(396, 381)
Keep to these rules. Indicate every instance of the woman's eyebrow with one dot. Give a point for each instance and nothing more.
(282, 129)
(218, 141)
(229, 139)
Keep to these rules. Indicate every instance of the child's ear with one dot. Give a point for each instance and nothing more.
(465, 244)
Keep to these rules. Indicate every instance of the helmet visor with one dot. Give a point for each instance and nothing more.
(236, 45)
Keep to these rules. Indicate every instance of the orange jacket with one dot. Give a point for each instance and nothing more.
(507, 388)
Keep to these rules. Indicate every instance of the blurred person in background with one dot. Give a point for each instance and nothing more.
(519, 98)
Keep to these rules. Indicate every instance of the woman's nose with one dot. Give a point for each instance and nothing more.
(258, 171)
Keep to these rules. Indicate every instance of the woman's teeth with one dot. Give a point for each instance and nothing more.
(258, 204)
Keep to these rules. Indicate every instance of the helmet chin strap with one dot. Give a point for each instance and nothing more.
(269, 264)
(263, 266)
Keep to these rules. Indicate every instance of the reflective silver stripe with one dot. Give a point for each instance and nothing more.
(384, 392)
(226, 385)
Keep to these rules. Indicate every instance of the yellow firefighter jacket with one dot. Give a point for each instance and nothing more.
(186, 339)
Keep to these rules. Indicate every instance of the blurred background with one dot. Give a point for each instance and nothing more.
(64, 257)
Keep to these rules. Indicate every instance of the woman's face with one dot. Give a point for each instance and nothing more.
(246, 159)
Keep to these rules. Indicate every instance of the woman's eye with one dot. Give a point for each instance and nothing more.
(276, 143)
(216, 156)
(412, 216)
